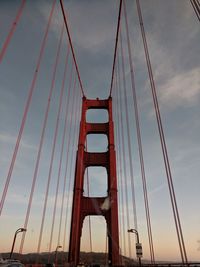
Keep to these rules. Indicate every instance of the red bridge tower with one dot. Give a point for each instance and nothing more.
(84, 206)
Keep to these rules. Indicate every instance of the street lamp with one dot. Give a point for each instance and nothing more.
(138, 245)
(56, 253)
(17, 231)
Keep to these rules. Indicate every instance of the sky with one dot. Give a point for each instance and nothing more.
(173, 36)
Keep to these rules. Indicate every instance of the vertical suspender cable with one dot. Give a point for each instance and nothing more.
(67, 158)
(118, 171)
(120, 153)
(66, 62)
(31, 90)
(73, 103)
(128, 137)
(41, 142)
(106, 251)
(163, 143)
(12, 29)
(51, 166)
(75, 138)
(123, 157)
(67, 168)
(59, 169)
(139, 139)
(88, 194)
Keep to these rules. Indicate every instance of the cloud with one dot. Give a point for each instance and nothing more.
(157, 189)
(7, 143)
(173, 53)
(182, 89)
(175, 89)
(7, 138)
(17, 199)
(88, 30)
(187, 152)
(22, 199)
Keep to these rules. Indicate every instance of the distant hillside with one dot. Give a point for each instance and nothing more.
(85, 257)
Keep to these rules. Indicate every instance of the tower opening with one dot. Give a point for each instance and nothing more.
(96, 182)
(97, 143)
(97, 115)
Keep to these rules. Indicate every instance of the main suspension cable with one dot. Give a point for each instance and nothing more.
(115, 51)
(72, 48)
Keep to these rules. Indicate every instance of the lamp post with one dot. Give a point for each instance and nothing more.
(17, 231)
(56, 254)
(138, 245)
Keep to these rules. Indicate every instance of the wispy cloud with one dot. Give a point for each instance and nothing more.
(17, 199)
(87, 35)
(157, 189)
(11, 139)
(39, 200)
(182, 89)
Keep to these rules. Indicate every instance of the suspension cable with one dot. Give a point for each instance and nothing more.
(106, 251)
(41, 140)
(75, 138)
(67, 158)
(68, 167)
(196, 7)
(120, 164)
(26, 109)
(121, 224)
(72, 108)
(124, 196)
(88, 194)
(163, 143)
(115, 51)
(123, 156)
(12, 30)
(51, 166)
(128, 136)
(59, 170)
(139, 139)
(72, 48)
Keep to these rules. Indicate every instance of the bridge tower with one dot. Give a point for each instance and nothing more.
(104, 206)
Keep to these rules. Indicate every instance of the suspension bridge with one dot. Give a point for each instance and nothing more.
(94, 174)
